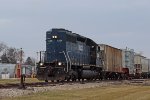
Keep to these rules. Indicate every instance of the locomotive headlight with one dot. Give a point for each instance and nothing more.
(59, 63)
(41, 64)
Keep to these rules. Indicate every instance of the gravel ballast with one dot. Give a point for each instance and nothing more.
(14, 92)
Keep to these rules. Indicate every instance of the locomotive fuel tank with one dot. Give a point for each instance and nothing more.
(89, 74)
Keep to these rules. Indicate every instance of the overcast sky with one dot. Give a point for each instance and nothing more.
(120, 23)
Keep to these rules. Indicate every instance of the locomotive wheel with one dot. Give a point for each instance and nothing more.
(46, 81)
(68, 80)
(57, 80)
(79, 79)
(89, 79)
(73, 77)
(52, 80)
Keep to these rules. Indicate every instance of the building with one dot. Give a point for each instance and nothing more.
(15, 70)
(7, 71)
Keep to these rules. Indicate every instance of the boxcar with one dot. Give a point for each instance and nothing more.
(111, 61)
(128, 60)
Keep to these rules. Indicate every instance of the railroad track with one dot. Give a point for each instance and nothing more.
(138, 81)
(18, 85)
(43, 84)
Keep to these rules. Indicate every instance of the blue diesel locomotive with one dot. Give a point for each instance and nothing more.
(69, 56)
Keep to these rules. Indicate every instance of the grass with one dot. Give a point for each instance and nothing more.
(121, 92)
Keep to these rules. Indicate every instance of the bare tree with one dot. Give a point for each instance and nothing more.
(3, 47)
(12, 55)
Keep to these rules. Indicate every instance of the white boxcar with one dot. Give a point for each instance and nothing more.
(145, 64)
(128, 59)
(141, 63)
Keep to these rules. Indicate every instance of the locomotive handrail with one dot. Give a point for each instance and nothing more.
(66, 58)
(69, 58)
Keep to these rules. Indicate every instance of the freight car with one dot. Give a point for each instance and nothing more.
(128, 61)
(142, 65)
(111, 62)
(69, 56)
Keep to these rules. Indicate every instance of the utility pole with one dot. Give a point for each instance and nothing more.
(37, 56)
(40, 56)
(21, 61)
(148, 65)
(22, 78)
